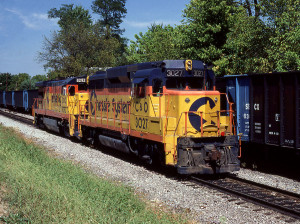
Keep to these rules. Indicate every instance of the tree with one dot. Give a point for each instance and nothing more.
(205, 27)
(264, 37)
(5, 80)
(284, 20)
(246, 45)
(35, 79)
(69, 16)
(18, 80)
(158, 43)
(78, 45)
(111, 13)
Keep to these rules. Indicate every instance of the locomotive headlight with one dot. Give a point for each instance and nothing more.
(188, 65)
(216, 99)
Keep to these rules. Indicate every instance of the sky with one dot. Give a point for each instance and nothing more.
(24, 24)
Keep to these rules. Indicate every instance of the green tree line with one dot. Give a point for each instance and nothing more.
(21, 81)
(234, 36)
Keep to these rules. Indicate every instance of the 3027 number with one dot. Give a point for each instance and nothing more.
(141, 123)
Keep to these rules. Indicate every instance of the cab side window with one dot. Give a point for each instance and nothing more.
(71, 90)
(140, 90)
(157, 87)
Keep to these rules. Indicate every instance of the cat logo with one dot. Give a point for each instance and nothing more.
(195, 118)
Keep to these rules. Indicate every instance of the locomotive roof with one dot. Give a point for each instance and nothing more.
(63, 82)
(98, 75)
(167, 64)
(148, 68)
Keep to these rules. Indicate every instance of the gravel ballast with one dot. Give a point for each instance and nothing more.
(203, 205)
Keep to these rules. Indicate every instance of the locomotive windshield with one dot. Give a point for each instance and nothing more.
(188, 83)
(188, 79)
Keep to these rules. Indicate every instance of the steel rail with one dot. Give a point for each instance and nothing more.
(282, 201)
(15, 116)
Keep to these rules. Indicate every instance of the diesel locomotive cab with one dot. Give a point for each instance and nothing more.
(204, 135)
(176, 101)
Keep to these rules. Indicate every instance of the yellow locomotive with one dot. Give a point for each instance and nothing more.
(167, 112)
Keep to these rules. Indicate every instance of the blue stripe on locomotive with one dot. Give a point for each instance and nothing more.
(237, 89)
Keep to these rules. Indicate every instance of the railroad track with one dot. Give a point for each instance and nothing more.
(285, 202)
(14, 115)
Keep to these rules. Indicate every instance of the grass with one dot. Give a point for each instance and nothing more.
(43, 189)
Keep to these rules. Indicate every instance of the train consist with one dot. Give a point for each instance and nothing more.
(170, 112)
(166, 112)
(267, 111)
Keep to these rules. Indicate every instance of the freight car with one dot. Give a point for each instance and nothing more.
(1, 98)
(166, 111)
(18, 100)
(8, 99)
(267, 111)
(29, 96)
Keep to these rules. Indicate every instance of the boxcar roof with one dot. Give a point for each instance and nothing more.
(264, 74)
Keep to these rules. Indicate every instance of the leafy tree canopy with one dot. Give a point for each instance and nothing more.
(5, 80)
(158, 43)
(20, 81)
(206, 24)
(111, 13)
(69, 16)
(79, 45)
(235, 36)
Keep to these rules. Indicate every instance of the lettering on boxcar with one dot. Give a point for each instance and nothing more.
(247, 106)
(257, 128)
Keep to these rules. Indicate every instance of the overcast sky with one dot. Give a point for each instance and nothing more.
(24, 23)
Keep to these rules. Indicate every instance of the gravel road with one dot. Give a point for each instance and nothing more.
(203, 205)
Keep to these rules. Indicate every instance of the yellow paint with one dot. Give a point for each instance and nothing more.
(159, 115)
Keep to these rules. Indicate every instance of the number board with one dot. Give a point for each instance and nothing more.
(175, 73)
(81, 80)
(198, 73)
(180, 73)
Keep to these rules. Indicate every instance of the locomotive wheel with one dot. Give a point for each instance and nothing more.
(160, 157)
(66, 130)
(39, 122)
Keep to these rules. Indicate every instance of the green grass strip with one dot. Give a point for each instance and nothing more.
(43, 189)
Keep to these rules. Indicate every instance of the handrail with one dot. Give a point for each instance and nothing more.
(226, 97)
(218, 113)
